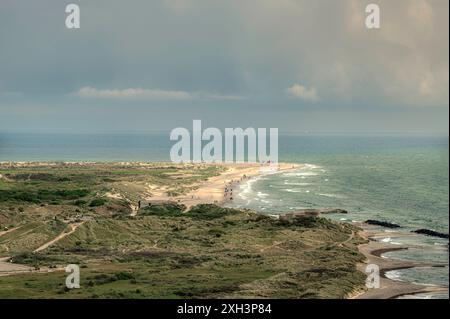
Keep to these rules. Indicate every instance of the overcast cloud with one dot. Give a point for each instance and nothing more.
(294, 64)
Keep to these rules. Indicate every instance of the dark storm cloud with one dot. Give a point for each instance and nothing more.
(280, 63)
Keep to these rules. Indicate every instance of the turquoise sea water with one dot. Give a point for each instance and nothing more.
(401, 179)
(404, 180)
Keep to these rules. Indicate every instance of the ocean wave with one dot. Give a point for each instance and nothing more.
(330, 195)
(440, 244)
(393, 274)
(296, 183)
(405, 275)
(246, 188)
(243, 197)
(306, 170)
(291, 190)
(301, 174)
(311, 166)
(261, 194)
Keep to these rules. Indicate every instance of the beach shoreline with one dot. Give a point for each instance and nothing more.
(219, 189)
(373, 250)
(69, 206)
(390, 288)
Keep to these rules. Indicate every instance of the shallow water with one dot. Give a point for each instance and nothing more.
(434, 276)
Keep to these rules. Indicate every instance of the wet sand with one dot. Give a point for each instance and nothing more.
(389, 288)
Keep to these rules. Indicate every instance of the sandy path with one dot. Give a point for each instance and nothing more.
(73, 227)
(8, 231)
(7, 268)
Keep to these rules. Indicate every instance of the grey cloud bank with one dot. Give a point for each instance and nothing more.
(149, 94)
(296, 65)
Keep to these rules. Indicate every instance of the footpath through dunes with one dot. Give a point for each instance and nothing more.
(208, 191)
(212, 191)
(9, 231)
(389, 288)
(9, 268)
(207, 252)
(73, 227)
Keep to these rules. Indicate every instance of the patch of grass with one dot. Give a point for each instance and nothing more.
(167, 210)
(200, 212)
(43, 195)
(210, 211)
(216, 232)
(307, 222)
(97, 202)
(80, 203)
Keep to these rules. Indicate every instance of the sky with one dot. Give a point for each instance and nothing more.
(298, 65)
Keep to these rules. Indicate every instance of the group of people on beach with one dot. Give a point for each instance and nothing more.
(228, 189)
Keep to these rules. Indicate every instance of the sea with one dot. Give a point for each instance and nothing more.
(399, 178)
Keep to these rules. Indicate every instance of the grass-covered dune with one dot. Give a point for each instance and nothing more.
(166, 251)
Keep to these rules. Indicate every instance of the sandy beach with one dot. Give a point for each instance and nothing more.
(213, 190)
(389, 288)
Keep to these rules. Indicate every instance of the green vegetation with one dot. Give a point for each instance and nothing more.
(29, 236)
(41, 195)
(209, 211)
(167, 210)
(165, 251)
(98, 202)
(203, 211)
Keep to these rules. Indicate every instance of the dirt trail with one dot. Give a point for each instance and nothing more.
(7, 268)
(8, 231)
(73, 227)
(352, 235)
